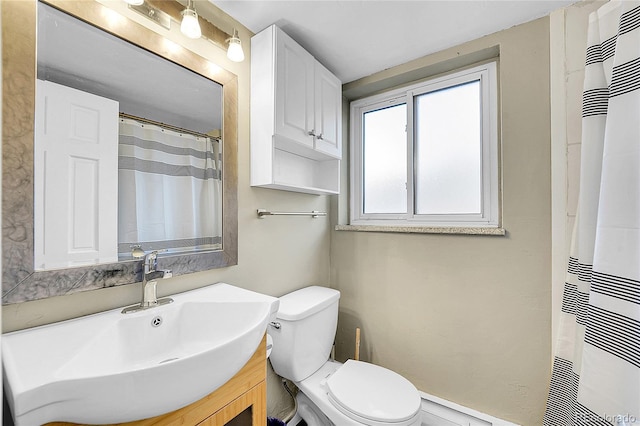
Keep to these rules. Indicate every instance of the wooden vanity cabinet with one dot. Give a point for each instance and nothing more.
(242, 401)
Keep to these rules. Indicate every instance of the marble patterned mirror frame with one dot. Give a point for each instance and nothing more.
(20, 282)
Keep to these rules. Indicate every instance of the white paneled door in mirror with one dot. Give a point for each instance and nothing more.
(76, 178)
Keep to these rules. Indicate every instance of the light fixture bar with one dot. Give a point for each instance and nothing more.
(156, 15)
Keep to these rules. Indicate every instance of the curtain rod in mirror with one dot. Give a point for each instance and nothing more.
(168, 126)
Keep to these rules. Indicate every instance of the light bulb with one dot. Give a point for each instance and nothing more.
(190, 26)
(235, 52)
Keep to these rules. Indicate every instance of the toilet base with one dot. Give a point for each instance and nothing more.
(310, 413)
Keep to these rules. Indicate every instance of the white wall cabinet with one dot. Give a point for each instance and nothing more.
(296, 117)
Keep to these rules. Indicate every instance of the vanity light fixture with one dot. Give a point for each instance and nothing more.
(235, 52)
(190, 26)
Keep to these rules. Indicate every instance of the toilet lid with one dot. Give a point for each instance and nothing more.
(373, 392)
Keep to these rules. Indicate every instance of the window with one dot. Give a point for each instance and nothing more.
(426, 155)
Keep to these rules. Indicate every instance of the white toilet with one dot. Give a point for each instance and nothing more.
(331, 393)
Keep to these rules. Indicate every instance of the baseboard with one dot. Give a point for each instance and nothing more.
(440, 412)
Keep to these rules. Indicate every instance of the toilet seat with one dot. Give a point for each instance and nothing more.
(373, 395)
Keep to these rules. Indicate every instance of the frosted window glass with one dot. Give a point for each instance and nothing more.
(448, 154)
(385, 160)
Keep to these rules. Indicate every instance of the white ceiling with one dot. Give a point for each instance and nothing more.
(356, 38)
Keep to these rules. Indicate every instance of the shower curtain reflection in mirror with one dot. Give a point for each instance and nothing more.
(169, 190)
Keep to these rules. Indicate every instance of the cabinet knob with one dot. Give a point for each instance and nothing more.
(312, 132)
(319, 136)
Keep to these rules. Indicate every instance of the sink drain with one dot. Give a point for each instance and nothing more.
(156, 321)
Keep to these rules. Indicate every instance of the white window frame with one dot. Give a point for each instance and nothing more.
(489, 213)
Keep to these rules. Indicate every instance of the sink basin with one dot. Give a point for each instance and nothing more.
(112, 367)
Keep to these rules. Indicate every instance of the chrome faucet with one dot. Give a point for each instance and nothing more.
(150, 277)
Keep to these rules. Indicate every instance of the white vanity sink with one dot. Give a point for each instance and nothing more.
(112, 367)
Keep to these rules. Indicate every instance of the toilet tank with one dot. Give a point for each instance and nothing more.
(308, 318)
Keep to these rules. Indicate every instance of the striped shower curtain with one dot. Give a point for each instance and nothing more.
(169, 190)
(596, 370)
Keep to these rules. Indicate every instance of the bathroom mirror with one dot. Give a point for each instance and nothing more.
(128, 122)
(196, 98)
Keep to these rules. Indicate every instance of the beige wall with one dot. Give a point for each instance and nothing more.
(467, 318)
(276, 254)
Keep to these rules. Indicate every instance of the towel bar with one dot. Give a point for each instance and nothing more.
(314, 214)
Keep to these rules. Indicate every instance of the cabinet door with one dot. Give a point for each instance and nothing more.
(328, 112)
(294, 90)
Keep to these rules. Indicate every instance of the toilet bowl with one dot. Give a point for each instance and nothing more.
(354, 393)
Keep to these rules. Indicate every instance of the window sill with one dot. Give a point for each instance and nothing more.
(424, 229)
